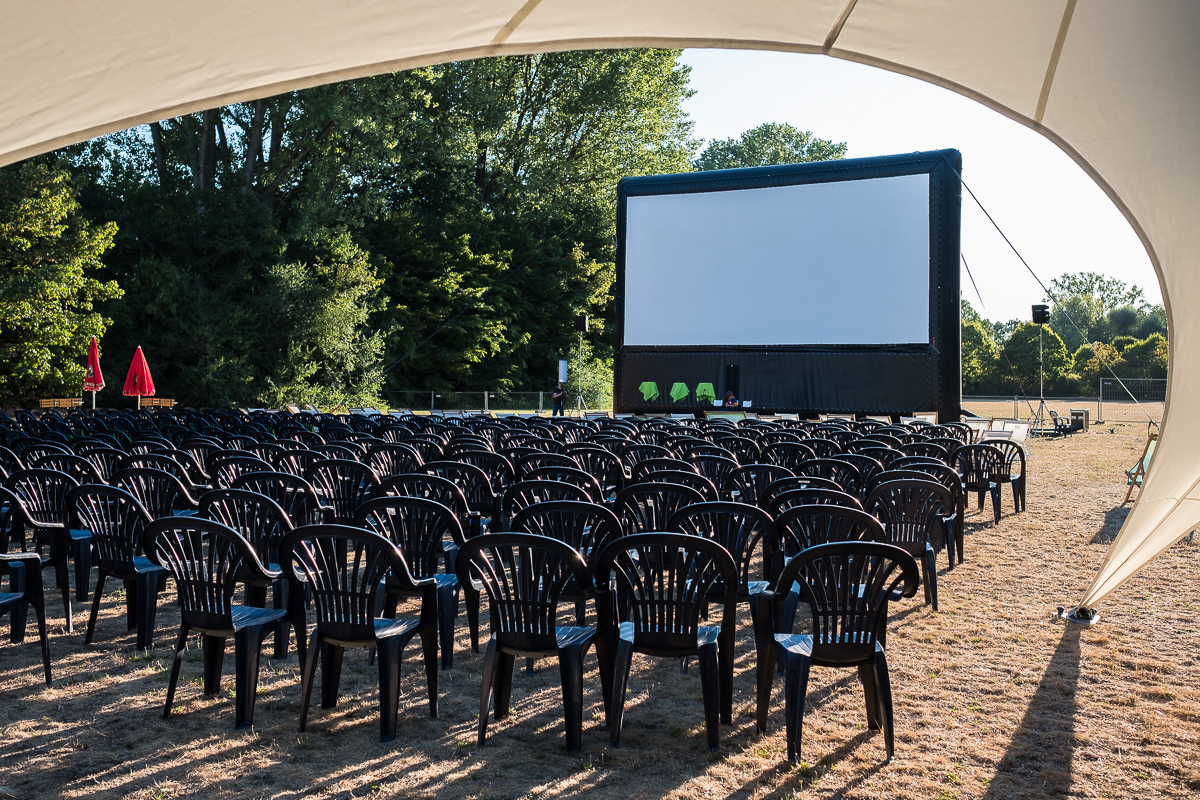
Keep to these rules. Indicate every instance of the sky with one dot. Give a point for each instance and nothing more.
(1054, 214)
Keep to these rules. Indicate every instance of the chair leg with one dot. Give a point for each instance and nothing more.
(147, 608)
(279, 601)
(485, 692)
(307, 673)
(18, 618)
(178, 661)
(91, 626)
(38, 601)
(214, 659)
(471, 596)
(447, 610)
(710, 688)
(622, 663)
(502, 685)
(931, 593)
(429, 647)
(331, 673)
(390, 651)
(299, 621)
(62, 578)
(795, 695)
(570, 668)
(604, 662)
(247, 649)
(995, 490)
(866, 676)
(885, 701)
(766, 676)
(81, 554)
(725, 674)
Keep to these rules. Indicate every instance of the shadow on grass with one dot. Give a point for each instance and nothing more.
(1038, 759)
(1114, 518)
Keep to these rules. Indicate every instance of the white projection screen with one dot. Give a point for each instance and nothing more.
(827, 287)
(773, 265)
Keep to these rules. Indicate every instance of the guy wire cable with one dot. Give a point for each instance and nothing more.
(1044, 289)
(1011, 367)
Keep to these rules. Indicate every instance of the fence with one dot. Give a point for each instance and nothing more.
(525, 402)
(1112, 405)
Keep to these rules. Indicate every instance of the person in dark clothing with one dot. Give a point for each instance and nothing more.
(730, 400)
(560, 400)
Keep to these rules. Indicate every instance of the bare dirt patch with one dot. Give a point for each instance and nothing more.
(994, 697)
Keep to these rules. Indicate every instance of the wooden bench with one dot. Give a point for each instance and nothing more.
(164, 402)
(60, 402)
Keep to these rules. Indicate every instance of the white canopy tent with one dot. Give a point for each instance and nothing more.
(1114, 83)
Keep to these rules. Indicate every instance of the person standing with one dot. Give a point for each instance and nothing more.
(560, 400)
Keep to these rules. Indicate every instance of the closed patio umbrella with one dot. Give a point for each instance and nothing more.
(94, 380)
(138, 382)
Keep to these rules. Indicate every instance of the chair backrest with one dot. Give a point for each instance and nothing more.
(664, 582)
(154, 460)
(116, 519)
(1013, 456)
(429, 487)
(587, 527)
(524, 576)
(927, 449)
(345, 568)
(158, 491)
(910, 511)
(527, 493)
(751, 480)
(420, 528)
(393, 459)
(847, 586)
(649, 506)
(499, 469)
(257, 517)
(474, 482)
(571, 475)
(43, 494)
(822, 447)
(865, 464)
(635, 452)
(801, 527)
(978, 464)
(812, 496)
(740, 528)
(292, 493)
(225, 469)
(206, 559)
(77, 467)
(344, 484)
(529, 462)
(787, 454)
(716, 468)
(790, 484)
(642, 468)
(844, 474)
(683, 478)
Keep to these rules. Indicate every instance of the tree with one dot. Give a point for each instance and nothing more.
(1021, 352)
(770, 143)
(978, 356)
(1095, 361)
(1147, 358)
(47, 297)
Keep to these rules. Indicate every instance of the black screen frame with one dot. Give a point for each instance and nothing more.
(887, 379)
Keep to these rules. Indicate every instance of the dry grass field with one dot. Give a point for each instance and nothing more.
(995, 698)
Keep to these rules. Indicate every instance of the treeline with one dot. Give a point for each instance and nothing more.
(1098, 327)
(431, 229)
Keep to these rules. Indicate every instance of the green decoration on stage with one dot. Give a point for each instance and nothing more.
(649, 390)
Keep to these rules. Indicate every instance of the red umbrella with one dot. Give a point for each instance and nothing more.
(138, 382)
(94, 381)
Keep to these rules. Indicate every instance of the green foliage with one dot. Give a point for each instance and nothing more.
(1095, 361)
(590, 376)
(768, 144)
(1021, 355)
(47, 298)
(978, 355)
(968, 313)
(1147, 358)
(1119, 343)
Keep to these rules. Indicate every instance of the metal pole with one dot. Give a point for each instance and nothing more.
(485, 408)
(539, 402)
(1041, 368)
(431, 401)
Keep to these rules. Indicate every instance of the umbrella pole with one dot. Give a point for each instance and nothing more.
(93, 401)
(139, 402)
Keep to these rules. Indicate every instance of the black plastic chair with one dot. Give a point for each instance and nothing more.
(918, 517)
(601, 464)
(426, 532)
(575, 476)
(809, 497)
(263, 523)
(393, 459)
(847, 586)
(787, 454)
(118, 522)
(791, 484)
(346, 592)
(980, 465)
(226, 469)
(1013, 469)
(207, 561)
(527, 493)
(25, 581)
(42, 507)
(79, 468)
(524, 576)
(476, 486)
(663, 585)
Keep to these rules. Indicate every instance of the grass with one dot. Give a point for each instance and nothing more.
(995, 698)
